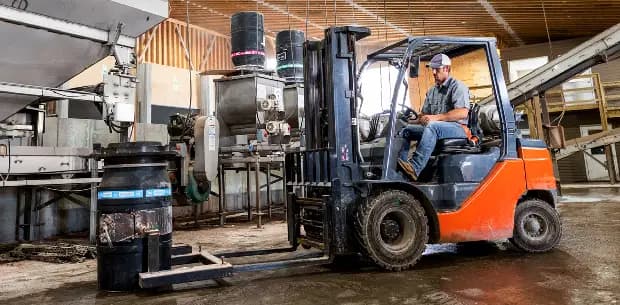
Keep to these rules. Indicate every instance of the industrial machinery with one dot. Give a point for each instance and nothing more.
(256, 113)
(341, 202)
(39, 150)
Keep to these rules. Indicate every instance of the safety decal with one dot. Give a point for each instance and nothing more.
(158, 192)
(125, 194)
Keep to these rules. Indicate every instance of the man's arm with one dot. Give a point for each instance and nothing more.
(453, 115)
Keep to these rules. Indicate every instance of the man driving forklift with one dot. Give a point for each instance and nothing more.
(443, 116)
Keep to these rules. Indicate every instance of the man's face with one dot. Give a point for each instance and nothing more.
(441, 74)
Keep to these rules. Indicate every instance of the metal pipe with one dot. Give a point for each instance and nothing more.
(17, 214)
(284, 189)
(257, 190)
(222, 196)
(269, 189)
(248, 191)
(92, 233)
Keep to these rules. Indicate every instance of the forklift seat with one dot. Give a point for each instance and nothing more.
(463, 145)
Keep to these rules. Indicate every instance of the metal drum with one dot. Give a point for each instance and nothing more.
(133, 209)
(247, 40)
(290, 55)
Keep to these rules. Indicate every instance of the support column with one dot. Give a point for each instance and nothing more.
(222, 192)
(92, 231)
(257, 190)
(538, 117)
(531, 119)
(546, 122)
(544, 108)
(144, 98)
(247, 190)
(285, 190)
(602, 107)
(269, 189)
(28, 214)
(62, 106)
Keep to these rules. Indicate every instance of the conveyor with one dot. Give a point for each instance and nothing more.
(599, 49)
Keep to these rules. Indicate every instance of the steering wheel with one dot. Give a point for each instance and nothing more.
(409, 114)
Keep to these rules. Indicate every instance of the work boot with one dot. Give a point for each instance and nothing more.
(408, 169)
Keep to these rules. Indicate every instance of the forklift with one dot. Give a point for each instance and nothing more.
(347, 196)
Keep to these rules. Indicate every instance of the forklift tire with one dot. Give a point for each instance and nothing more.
(392, 229)
(537, 226)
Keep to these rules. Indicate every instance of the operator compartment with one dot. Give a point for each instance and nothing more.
(391, 93)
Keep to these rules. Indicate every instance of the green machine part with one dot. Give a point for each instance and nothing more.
(195, 192)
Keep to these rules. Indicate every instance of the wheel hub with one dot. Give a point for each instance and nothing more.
(390, 230)
(534, 225)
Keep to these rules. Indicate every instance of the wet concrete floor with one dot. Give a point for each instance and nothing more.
(584, 269)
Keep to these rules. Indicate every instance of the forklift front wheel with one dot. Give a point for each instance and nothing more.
(537, 226)
(392, 229)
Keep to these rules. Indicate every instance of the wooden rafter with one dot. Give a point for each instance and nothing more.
(521, 19)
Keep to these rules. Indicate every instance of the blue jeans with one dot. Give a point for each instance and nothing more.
(427, 136)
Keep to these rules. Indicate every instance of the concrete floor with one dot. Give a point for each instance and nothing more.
(584, 269)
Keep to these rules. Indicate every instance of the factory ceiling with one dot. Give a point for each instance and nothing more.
(513, 22)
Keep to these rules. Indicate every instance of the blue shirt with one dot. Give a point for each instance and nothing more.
(452, 94)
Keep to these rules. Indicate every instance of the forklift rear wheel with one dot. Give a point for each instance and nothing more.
(392, 229)
(537, 226)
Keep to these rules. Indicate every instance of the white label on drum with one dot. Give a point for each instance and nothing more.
(261, 92)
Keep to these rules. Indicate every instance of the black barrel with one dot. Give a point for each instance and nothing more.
(247, 39)
(289, 53)
(133, 200)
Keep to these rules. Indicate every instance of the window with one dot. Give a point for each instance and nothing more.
(378, 82)
(521, 67)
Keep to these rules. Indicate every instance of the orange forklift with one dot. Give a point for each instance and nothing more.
(347, 195)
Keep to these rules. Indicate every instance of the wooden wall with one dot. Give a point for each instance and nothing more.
(472, 69)
(164, 45)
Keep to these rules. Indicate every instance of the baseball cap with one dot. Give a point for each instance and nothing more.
(439, 60)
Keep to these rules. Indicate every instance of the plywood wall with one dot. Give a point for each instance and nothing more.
(471, 68)
(170, 87)
(164, 45)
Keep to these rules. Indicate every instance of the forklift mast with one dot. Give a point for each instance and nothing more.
(329, 164)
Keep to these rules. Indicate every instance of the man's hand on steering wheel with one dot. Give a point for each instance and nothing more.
(409, 115)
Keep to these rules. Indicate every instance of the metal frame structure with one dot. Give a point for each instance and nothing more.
(26, 18)
(259, 164)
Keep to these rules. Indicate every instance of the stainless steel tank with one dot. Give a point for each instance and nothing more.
(248, 106)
